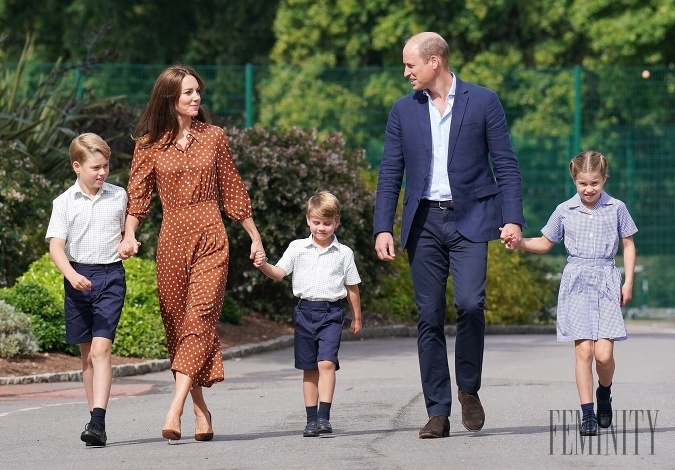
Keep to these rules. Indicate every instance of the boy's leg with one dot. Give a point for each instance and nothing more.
(329, 346)
(326, 381)
(98, 378)
(87, 373)
(310, 393)
(326, 391)
(310, 387)
(101, 360)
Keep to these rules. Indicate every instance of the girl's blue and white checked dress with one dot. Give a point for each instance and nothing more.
(589, 301)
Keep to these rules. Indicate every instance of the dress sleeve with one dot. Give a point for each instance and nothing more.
(233, 195)
(626, 224)
(554, 229)
(141, 182)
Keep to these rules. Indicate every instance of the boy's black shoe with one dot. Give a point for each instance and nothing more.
(324, 426)
(94, 434)
(311, 430)
(589, 426)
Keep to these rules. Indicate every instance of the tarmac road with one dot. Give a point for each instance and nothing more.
(258, 414)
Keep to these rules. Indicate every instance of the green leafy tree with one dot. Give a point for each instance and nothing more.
(41, 113)
(205, 32)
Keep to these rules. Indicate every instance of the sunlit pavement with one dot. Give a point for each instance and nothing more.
(528, 392)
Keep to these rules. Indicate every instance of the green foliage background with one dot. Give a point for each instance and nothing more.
(16, 333)
(320, 80)
(140, 332)
(282, 169)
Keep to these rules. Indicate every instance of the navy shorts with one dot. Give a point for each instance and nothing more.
(95, 312)
(318, 329)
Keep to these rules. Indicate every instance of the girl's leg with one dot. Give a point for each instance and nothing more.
(583, 353)
(87, 373)
(604, 361)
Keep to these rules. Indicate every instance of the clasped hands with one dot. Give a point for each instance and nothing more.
(511, 236)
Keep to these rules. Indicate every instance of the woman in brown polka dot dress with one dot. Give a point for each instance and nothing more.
(190, 164)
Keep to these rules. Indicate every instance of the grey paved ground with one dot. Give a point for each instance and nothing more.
(378, 409)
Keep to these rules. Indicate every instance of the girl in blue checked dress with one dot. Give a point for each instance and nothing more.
(592, 223)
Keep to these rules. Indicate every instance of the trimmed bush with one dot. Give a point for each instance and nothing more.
(44, 272)
(519, 288)
(16, 334)
(140, 332)
(231, 312)
(45, 312)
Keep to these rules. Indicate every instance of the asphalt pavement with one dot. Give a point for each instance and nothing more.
(528, 392)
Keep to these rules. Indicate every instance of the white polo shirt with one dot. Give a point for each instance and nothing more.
(320, 274)
(91, 226)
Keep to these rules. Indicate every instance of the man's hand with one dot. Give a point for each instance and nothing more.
(384, 246)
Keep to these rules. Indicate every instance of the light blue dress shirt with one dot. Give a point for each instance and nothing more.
(438, 183)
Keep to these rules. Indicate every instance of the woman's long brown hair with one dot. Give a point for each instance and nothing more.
(160, 115)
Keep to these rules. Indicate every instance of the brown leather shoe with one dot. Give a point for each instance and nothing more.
(438, 426)
(473, 416)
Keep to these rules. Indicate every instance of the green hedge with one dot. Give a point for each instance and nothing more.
(16, 334)
(46, 313)
(140, 332)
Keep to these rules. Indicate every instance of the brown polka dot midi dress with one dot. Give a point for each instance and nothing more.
(193, 249)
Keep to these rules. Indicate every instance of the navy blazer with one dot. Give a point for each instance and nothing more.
(485, 198)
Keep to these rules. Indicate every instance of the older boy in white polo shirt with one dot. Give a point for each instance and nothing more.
(84, 232)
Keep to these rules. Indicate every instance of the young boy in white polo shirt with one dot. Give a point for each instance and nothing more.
(324, 272)
(84, 232)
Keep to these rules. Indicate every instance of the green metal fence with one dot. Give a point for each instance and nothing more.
(626, 113)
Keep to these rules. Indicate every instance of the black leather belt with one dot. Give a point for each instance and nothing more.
(444, 205)
(319, 303)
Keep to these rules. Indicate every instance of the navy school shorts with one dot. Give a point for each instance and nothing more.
(95, 312)
(318, 329)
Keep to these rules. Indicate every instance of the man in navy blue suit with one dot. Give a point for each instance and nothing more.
(462, 186)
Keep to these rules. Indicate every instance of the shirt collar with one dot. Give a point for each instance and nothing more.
(77, 190)
(451, 93)
(309, 242)
(605, 200)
